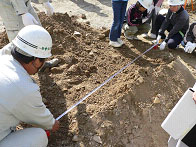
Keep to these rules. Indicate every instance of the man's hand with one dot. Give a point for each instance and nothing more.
(49, 8)
(28, 19)
(162, 46)
(55, 126)
(189, 47)
(126, 27)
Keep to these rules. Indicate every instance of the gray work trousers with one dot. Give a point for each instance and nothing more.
(175, 143)
(29, 137)
(136, 30)
(13, 22)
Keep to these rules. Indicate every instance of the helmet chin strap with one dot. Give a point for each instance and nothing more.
(35, 66)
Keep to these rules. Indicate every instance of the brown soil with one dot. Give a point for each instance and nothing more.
(123, 112)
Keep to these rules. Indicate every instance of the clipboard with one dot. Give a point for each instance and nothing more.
(182, 118)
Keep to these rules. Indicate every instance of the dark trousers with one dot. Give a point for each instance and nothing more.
(152, 18)
(119, 9)
(175, 40)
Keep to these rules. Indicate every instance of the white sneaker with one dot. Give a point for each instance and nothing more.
(151, 35)
(120, 41)
(115, 44)
(145, 35)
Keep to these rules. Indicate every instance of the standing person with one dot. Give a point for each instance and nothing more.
(154, 13)
(190, 39)
(176, 23)
(21, 100)
(16, 14)
(136, 18)
(19, 13)
(119, 9)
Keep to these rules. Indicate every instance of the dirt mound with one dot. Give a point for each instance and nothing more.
(3, 39)
(122, 112)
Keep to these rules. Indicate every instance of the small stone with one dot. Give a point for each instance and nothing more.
(101, 36)
(88, 22)
(159, 95)
(156, 100)
(83, 16)
(78, 34)
(140, 80)
(74, 121)
(125, 101)
(75, 138)
(97, 139)
(136, 127)
(91, 53)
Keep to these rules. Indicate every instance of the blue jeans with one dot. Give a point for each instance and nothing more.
(119, 9)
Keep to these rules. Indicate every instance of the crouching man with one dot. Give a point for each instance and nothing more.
(20, 98)
(176, 23)
(190, 39)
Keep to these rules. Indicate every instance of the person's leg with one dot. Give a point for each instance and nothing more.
(122, 16)
(13, 23)
(29, 137)
(114, 31)
(150, 17)
(143, 28)
(174, 41)
(158, 23)
(32, 12)
(154, 17)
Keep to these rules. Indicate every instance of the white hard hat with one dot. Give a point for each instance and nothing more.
(35, 41)
(175, 2)
(146, 3)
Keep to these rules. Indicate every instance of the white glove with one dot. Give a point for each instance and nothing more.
(126, 27)
(157, 9)
(49, 8)
(144, 19)
(162, 46)
(188, 43)
(158, 39)
(189, 47)
(28, 19)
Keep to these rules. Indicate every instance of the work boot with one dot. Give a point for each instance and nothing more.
(49, 64)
